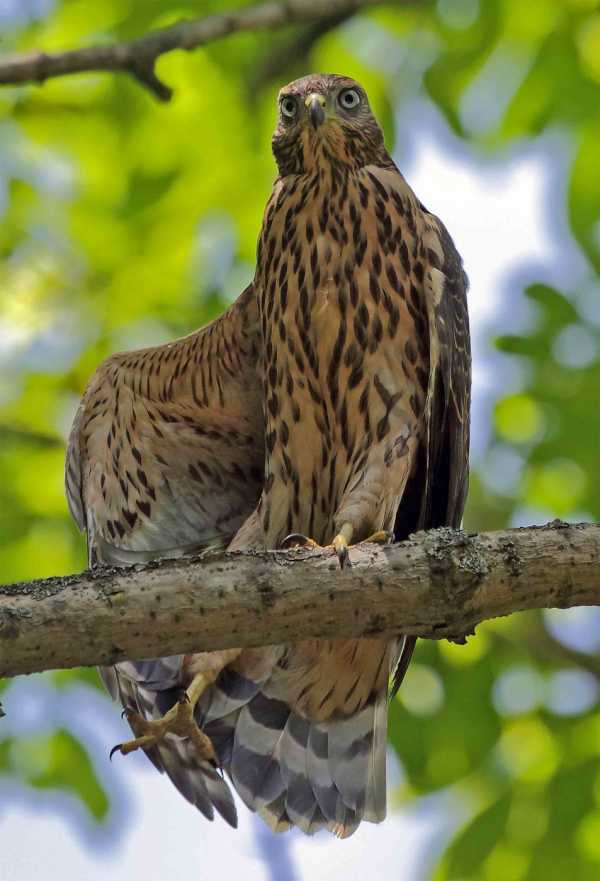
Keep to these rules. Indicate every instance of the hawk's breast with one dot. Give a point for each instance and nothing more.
(343, 358)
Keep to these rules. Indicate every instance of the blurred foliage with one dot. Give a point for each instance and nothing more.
(58, 761)
(126, 222)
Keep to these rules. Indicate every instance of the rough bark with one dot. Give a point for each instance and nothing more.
(436, 584)
(138, 57)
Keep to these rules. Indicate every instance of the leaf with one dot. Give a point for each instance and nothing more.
(466, 52)
(466, 855)
(554, 91)
(69, 767)
(584, 192)
(55, 761)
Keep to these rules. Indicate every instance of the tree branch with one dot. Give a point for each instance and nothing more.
(138, 57)
(439, 584)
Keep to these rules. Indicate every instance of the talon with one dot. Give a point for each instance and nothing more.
(340, 546)
(114, 750)
(344, 558)
(297, 540)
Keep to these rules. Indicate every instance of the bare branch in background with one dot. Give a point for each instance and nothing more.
(138, 57)
(439, 584)
(16, 434)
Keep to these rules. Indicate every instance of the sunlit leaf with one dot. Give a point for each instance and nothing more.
(471, 847)
(56, 761)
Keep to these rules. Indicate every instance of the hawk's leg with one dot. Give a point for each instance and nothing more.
(179, 719)
(340, 544)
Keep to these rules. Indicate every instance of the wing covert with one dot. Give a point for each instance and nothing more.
(166, 451)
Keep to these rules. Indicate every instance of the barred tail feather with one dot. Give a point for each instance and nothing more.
(292, 753)
(311, 774)
(198, 781)
(375, 801)
(319, 772)
(254, 768)
(275, 815)
(349, 755)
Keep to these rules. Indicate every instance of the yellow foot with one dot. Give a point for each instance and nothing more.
(382, 537)
(339, 544)
(178, 720)
(297, 540)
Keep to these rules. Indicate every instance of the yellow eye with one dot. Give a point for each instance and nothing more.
(289, 108)
(349, 99)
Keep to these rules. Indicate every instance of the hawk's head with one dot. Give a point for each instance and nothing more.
(325, 118)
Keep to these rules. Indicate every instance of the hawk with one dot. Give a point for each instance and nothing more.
(329, 405)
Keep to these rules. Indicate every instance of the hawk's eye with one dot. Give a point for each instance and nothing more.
(349, 99)
(289, 108)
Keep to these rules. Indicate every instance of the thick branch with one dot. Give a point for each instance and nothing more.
(436, 584)
(138, 57)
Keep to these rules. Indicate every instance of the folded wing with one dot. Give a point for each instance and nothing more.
(166, 458)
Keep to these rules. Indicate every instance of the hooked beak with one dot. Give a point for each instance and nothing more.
(316, 109)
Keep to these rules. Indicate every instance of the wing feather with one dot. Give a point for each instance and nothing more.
(436, 491)
(165, 458)
(166, 451)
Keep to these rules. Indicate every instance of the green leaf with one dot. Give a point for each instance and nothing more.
(465, 54)
(466, 855)
(59, 761)
(584, 191)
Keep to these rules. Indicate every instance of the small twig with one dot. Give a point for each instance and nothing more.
(146, 76)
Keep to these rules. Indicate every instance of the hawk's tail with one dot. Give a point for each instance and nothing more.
(295, 772)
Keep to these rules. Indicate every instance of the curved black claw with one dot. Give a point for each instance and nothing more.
(344, 557)
(115, 749)
(296, 540)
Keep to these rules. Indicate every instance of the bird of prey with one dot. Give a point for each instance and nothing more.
(329, 405)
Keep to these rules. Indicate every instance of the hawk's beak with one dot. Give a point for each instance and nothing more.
(316, 109)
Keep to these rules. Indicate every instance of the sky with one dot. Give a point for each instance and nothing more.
(498, 213)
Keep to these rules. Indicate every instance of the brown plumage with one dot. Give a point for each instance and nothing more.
(332, 400)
